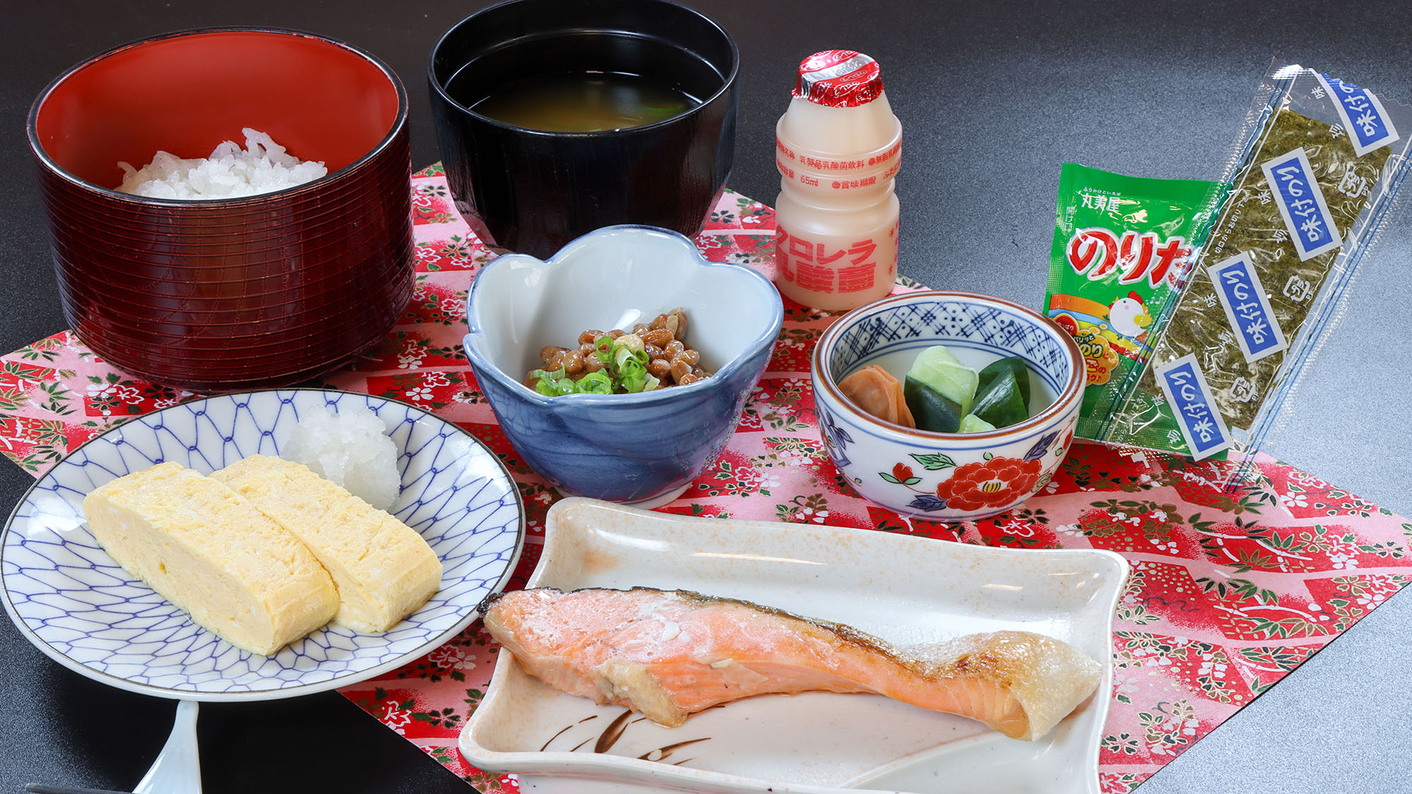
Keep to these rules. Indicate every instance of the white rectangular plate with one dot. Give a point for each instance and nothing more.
(903, 589)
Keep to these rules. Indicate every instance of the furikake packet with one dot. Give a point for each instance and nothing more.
(1121, 251)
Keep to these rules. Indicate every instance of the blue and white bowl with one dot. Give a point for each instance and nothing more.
(948, 476)
(642, 449)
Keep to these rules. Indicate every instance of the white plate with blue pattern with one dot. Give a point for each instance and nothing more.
(76, 604)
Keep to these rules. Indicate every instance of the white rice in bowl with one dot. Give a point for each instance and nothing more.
(263, 166)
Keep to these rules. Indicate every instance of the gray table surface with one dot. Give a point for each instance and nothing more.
(992, 97)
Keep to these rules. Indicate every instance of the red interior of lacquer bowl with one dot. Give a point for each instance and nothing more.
(187, 93)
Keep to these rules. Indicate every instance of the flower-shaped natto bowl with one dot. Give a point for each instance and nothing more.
(645, 448)
(948, 476)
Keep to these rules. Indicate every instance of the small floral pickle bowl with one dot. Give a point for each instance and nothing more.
(642, 449)
(948, 476)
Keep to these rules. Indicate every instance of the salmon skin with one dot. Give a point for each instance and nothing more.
(671, 653)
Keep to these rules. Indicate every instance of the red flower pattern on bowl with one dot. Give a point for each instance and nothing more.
(991, 483)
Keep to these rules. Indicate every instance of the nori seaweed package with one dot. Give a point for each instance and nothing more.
(1311, 185)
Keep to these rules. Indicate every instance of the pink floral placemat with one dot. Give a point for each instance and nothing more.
(1228, 592)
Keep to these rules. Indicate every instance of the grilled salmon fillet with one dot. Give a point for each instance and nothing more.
(671, 653)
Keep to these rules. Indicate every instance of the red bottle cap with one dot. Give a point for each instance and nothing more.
(839, 79)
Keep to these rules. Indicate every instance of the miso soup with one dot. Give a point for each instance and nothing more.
(584, 102)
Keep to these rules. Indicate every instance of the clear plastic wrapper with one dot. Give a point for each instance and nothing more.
(1318, 169)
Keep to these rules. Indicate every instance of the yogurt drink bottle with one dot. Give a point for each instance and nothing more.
(837, 147)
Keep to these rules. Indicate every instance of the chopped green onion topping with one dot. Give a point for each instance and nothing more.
(632, 373)
(595, 383)
(553, 384)
(603, 345)
(624, 370)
